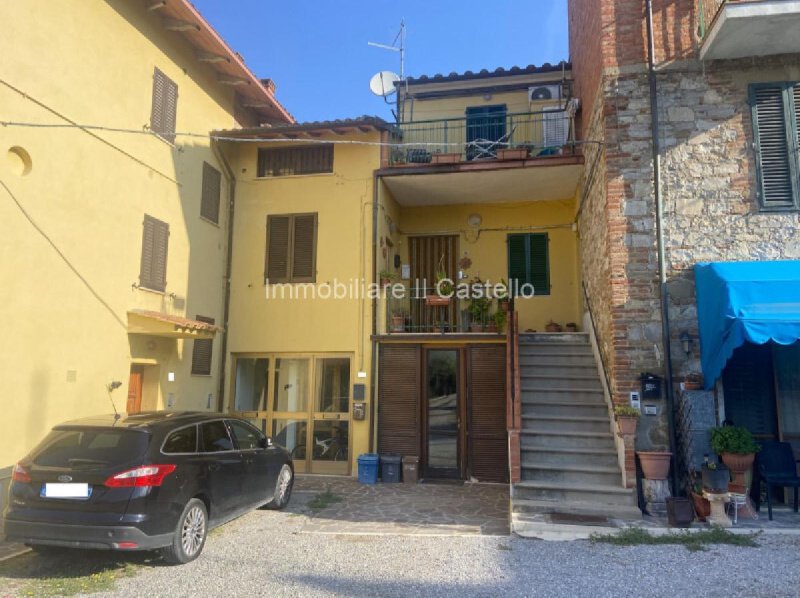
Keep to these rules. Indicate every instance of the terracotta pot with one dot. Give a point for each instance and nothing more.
(517, 153)
(738, 463)
(572, 327)
(491, 327)
(436, 300)
(702, 508)
(476, 328)
(398, 323)
(503, 304)
(627, 425)
(385, 282)
(553, 327)
(692, 386)
(446, 158)
(655, 464)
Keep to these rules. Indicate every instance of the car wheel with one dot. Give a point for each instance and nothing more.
(190, 535)
(283, 489)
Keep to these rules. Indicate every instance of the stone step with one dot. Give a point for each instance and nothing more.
(537, 437)
(566, 423)
(559, 360)
(560, 369)
(553, 337)
(577, 473)
(555, 349)
(569, 408)
(524, 507)
(553, 381)
(577, 395)
(600, 494)
(604, 457)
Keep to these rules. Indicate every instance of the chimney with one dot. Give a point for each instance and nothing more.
(269, 85)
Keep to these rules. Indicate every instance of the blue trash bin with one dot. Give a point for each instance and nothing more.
(368, 468)
(390, 468)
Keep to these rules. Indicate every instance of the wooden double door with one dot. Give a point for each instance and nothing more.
(447, 405)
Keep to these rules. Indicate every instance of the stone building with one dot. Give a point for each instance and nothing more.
(713, 100)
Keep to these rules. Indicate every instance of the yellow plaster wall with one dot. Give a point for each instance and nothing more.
(71, 245)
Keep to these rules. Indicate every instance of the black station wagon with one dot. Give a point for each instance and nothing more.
(144, 482)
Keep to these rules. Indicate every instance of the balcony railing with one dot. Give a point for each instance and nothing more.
(412, 314)
(487, 137)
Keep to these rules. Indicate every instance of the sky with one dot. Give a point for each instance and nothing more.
(316, 50)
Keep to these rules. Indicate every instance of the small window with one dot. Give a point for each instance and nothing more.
(153, 266)
(215, 437)
(528, 264)
(286, 161)
(209, 199)
(181, 441)
(201, 352)
(776, 130)
(164, 106)
(247, 437)
(291, 254)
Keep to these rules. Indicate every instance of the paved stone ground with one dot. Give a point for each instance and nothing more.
(9, 550)
(407, 509)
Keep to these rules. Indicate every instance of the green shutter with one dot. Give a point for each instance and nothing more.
(538, 260)
(517, 262)
(774, 124)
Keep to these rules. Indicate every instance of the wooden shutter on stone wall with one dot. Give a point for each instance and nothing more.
(488, 437)
(201, 352)
(153, 264)
(399, 400)
(304, 248)
(210, 194)
(163, 110)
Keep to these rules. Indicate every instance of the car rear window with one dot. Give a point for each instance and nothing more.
(181, 441)
(87, 447)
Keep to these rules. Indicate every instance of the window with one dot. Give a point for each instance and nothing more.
(291, 248)
(485, 126)
(287, 161)
(153, 267)
(209, 199)
(62, 448)
(247, 437)
(215, 437)
(181, 441)
(201, 352)
(528, 263)
(163, 109)
(776, 129)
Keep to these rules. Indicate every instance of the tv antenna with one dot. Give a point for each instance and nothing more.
(398, 45)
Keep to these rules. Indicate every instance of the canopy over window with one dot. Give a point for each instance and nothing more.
(737, 302)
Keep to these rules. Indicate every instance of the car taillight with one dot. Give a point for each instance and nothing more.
(20, 474)
(146, 475)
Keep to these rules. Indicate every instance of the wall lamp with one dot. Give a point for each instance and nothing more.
(686, 342)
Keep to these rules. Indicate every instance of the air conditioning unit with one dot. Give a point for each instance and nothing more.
(544, 92)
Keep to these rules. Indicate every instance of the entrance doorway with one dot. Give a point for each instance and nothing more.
(135, 382)
(443, 437)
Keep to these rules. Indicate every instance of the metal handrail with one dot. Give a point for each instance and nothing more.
(594, 329)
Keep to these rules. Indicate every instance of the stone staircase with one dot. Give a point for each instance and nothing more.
(568, 456)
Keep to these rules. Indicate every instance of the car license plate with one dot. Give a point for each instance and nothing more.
(66, 491)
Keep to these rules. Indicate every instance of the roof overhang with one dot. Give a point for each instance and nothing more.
(181, 17)
(155, 323)
(308, 130)
(754, 28)
(546, 179)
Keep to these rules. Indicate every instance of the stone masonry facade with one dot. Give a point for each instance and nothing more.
(708, 187)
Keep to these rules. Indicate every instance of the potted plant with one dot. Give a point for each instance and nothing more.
(478, 311)
(386, 278)
(736, 446)
(398, 321)
(571, 327)
(504, 302)
(499, 317)
(715, 477)
(443, 290)
(693, 381)
(627, 418)
(702, 508)
(446, 157)
(552, 327)
(655, 464)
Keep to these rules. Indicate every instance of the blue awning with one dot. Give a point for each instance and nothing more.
(737, 302)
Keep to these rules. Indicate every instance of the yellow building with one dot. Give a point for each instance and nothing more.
(114, 243)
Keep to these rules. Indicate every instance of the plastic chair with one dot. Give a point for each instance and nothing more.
(737, 501)
(776, 466)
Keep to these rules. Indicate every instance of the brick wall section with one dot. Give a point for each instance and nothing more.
(584, 43)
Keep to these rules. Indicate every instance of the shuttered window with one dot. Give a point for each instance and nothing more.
(776, 127)
(201, 352)
(287, 161)
(164, 106)
(529, 263)
(209, 200)
(153, 266)
(488, 439)
(291, 254)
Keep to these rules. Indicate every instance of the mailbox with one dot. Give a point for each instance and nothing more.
(359, 411)
(651, 386)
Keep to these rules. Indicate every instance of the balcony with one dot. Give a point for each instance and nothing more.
(745, 28)
(487, 137)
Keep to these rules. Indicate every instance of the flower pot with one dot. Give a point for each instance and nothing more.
(491, 327)
(655, 464)
(503, 304)
(385, 282)
(627, 425)
(738, 463)
(679, 512)
(692, 386)
(553, 327)
(446, 158)
(702, 508)
(476, 328)
(716, 480)
(516, 153)
(571, 327)
(398, 323)
(437, 300)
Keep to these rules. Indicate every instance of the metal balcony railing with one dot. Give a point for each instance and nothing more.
(412, 314)
(534, 134)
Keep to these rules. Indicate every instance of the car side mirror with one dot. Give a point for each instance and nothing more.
(266, 442)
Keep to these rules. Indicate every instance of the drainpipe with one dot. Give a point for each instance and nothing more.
(373, 383)
(228, 260)
(662, 267)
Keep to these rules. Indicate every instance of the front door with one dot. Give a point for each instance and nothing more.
(134, 404)
(442, 414)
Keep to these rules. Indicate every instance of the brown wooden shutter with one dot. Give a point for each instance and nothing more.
(201, 352)
(164, 106)
(304, 248)
(153, 264)
(209, 200)
(488, 437)
(157, 106)
(277, 259)
(399, 400)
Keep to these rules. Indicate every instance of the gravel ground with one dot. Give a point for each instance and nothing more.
(263, 554)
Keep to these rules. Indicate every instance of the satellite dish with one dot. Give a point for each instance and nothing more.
(382, 84)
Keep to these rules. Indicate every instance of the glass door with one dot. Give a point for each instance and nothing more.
(331, 416)
(290, 409)
(442, 414)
